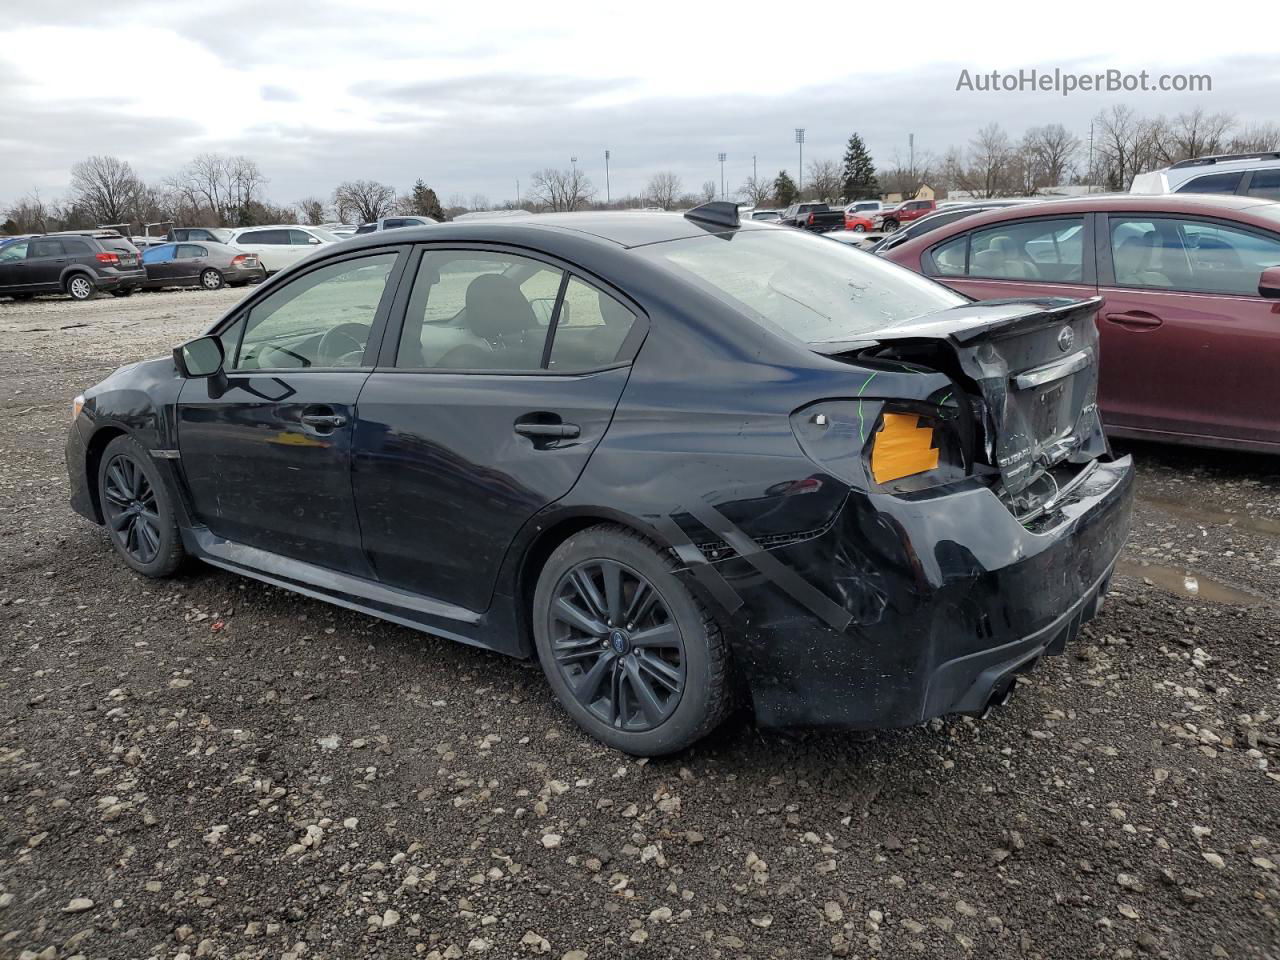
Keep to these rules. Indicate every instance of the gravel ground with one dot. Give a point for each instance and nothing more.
(207, 767)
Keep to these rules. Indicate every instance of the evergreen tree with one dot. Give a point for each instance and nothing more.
(425, 202)
(784, 189)
(859, 172)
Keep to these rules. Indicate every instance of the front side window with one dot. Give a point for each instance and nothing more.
(15, 251)
(1213, 183)
(160, 254)
(1196, 256)
(475, 310)
(321, 319)
(805, 285)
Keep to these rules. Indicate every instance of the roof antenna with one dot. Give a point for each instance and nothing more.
(722, 213)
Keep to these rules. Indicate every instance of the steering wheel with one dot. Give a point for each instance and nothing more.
(342, 346)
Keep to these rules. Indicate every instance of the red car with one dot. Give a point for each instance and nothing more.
(857, 222)
(1190, 326)
(891, 219)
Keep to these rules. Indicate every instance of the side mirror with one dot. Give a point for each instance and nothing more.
(1269, 283)
(199, 358)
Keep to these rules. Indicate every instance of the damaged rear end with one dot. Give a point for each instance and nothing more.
(1020, 406)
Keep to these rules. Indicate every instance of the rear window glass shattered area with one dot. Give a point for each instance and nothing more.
(812, 288)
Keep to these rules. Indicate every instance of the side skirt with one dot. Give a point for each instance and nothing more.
(354, 593)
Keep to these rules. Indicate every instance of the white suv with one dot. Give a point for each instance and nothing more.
(1244, 174)
(281, 245)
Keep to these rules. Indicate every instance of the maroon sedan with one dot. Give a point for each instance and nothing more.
(1190, 327)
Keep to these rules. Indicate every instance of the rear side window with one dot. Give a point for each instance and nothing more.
(590, 330)
(1046, 250)
(77, 246)
(1265, 184)
(264, 236)
(159, 254)
(190, 251)
(474, 310)
(1212, 183)
(46, 248)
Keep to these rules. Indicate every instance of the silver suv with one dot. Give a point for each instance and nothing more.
(393, 223)
(1245, 174)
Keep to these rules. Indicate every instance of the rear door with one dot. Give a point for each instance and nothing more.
(483, 409)
(1190, 347)
(190, 260)
(46, 259)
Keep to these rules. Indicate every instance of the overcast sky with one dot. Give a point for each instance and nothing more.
(475, 96)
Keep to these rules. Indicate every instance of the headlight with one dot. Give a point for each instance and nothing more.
(76, 406)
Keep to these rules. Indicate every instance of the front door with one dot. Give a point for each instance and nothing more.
(266, 449)
(12, 259)
(161, 264)
(475, 422)
(189, 262)
(1189, 346)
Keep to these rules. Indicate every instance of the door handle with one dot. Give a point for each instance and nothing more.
(548, 431)
(324, 421)
(1136, 318)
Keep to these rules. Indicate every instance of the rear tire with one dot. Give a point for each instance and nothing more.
(126, 292)
(136, 509)
(212, 279)
(859, 228)
(646, 669)
(890, 226)
(79, 287)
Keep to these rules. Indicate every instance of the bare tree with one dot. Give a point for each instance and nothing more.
(906, 178)
(1124, 145)
(708, 191)
(32, 214)
(219, 188)
(986, 171)
(663, 189)
(1049, 155)
(823, 180)
(561, 189)
(364, 200)
(1255, 138)
(757, 192)
(479, 201)
(106, 188)
(312, 210)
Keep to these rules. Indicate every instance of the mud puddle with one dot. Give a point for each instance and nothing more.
(1208, 515)
(1190, 584)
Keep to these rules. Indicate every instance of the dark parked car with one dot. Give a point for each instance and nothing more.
(817, 217)
(78, 264)
(670, 457)
(1190, 329)
(208, 265)
(196, 234)
(394, 223)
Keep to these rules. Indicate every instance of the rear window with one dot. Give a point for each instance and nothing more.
(807, 286)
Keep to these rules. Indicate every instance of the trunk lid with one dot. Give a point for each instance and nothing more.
(1034, 364)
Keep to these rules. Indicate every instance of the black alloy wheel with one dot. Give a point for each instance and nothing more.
(129, 504)
(615, 642)
(137, 511)
(631, 652)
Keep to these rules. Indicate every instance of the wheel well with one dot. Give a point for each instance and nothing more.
(93, 458)
(77, 272)
(536, 556)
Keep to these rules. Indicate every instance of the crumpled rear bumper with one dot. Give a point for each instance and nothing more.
(949, 598)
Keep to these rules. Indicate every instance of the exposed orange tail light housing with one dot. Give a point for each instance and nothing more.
(903, 446)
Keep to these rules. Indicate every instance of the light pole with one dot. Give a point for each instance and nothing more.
(608, 199)
(723, 157)
(800, 171)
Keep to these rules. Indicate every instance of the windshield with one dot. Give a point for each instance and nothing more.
(810, 287)
(324, 235)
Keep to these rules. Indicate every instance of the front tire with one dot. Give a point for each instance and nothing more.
(79, 287)
(632, 655)
(859, 228)
(136, 509)
(211, 279)
(890, 226)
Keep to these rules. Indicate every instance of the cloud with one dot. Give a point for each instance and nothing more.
(279, 94)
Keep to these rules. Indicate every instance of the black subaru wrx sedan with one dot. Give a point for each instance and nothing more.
(676, 458)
